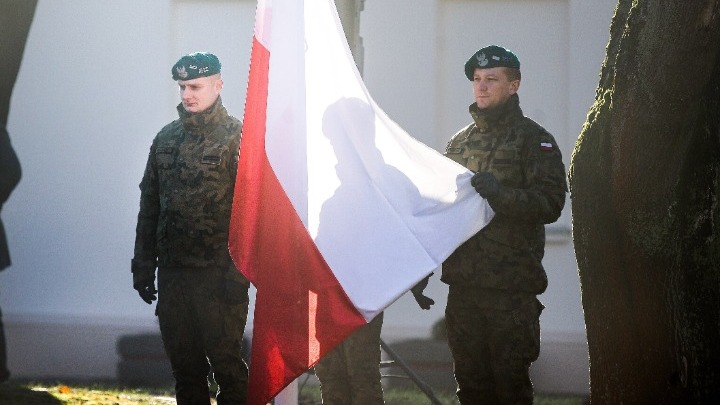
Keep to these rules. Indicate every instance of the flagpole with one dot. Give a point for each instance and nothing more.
(289, 395)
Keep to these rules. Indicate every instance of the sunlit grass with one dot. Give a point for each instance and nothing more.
(98, 394)
(58, 393)
(310, 395)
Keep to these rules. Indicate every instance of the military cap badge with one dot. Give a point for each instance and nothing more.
(194, 65)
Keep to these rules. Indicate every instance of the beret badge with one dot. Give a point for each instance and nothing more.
(181, 72)
(481, 60)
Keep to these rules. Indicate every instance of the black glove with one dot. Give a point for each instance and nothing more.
(146, 289)
(485, 184)
(423, 301)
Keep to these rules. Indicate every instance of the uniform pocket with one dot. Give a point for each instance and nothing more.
(213, 155)
(165, 157)
(455, 154)
(504, 157)
(507, 232)
(527, 320)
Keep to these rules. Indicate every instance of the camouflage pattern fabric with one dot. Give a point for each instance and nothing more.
(10, 174)
(492, 311)
(492, 348)
(202, 318)
(185, 202)
(186, 193)
(350, 373)
(526, 161)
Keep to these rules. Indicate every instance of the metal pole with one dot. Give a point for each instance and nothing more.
(289, 395)
(410, 373)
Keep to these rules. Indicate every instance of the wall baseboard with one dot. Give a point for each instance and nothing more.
(85, 349)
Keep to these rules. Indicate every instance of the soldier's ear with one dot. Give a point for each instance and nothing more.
(514, 86)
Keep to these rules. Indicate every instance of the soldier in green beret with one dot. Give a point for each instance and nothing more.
(494, 278)
(186, 196)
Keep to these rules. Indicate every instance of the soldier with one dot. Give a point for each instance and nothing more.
(182, 230)
(350, 373)
(10, 174)
(494, 278)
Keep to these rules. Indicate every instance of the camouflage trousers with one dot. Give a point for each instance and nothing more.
(493, 345)
(4, 372)
(202, 318)
(350, 374)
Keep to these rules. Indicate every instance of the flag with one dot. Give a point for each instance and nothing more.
(337, 211)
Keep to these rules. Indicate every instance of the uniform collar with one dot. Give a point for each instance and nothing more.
(202, 122)
(488, 117)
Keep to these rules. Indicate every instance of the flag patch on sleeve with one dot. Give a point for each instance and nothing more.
(547, 146)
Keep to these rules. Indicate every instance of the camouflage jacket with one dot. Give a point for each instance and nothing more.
(186, 193)
(524, 157)
(10, 173)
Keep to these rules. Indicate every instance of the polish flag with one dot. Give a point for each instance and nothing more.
(337, 211)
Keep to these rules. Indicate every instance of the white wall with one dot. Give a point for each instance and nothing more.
(95, 87)
(89, 94)
(93, 90)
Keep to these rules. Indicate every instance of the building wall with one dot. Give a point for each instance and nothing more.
(95, 87)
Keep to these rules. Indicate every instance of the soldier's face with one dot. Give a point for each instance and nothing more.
(491, 87)
(199, 94)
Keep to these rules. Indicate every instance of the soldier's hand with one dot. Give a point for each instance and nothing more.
(147, 290)
(485, 184)
(422, 300)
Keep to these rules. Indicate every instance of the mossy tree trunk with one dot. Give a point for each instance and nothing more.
(645, 182)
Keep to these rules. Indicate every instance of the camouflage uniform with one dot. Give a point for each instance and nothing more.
(10, 173)
(492, 312)
(185, 203)
(350, 374)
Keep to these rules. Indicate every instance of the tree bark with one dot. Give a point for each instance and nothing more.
(645, 181)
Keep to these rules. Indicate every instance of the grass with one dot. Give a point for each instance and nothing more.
(310, 395)
(33, 393)
(58, 393)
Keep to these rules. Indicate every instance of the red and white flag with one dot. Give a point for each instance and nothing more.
(337, 211)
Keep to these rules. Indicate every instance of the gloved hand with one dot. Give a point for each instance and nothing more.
(146, 289)
(423, 301)
(485, 184)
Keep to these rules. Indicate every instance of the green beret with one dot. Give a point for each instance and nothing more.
(194, 65)
(490, 57)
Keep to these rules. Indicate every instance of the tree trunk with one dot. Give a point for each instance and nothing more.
(645, 181)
